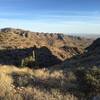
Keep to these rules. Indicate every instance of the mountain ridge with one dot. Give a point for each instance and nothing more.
(60, 45)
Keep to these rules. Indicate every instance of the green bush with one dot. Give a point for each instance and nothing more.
(89, 80)
(28, 61)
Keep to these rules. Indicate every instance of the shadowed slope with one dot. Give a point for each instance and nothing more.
(90, 58)
(41, 57)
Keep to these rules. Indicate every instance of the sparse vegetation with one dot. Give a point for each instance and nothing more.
(44, 66)
(27, 84)
(89, 81)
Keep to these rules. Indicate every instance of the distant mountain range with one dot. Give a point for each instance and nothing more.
(86, 35)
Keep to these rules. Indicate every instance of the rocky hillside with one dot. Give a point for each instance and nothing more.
(58, 45)
(66, 54)
(90, 58)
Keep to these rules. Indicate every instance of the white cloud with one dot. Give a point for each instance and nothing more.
(42, 26)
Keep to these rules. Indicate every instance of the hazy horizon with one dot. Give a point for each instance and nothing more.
(65, 16)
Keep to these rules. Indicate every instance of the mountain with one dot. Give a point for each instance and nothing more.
(90, 57)
(59, 46)
(34, 52)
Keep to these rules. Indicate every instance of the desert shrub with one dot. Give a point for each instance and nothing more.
(50, 42)
(89, 80)
(28, 61)
(22, 80)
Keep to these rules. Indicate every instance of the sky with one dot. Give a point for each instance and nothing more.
(65, 16)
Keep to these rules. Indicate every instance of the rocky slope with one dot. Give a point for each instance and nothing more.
(25, 48)
(90, 58)
(58, 45)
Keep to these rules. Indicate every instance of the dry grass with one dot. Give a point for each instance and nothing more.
(10, 69)
(5, 82)
(13, 40)
(42, 84)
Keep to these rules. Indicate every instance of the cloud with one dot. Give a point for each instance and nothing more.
(41, 26)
